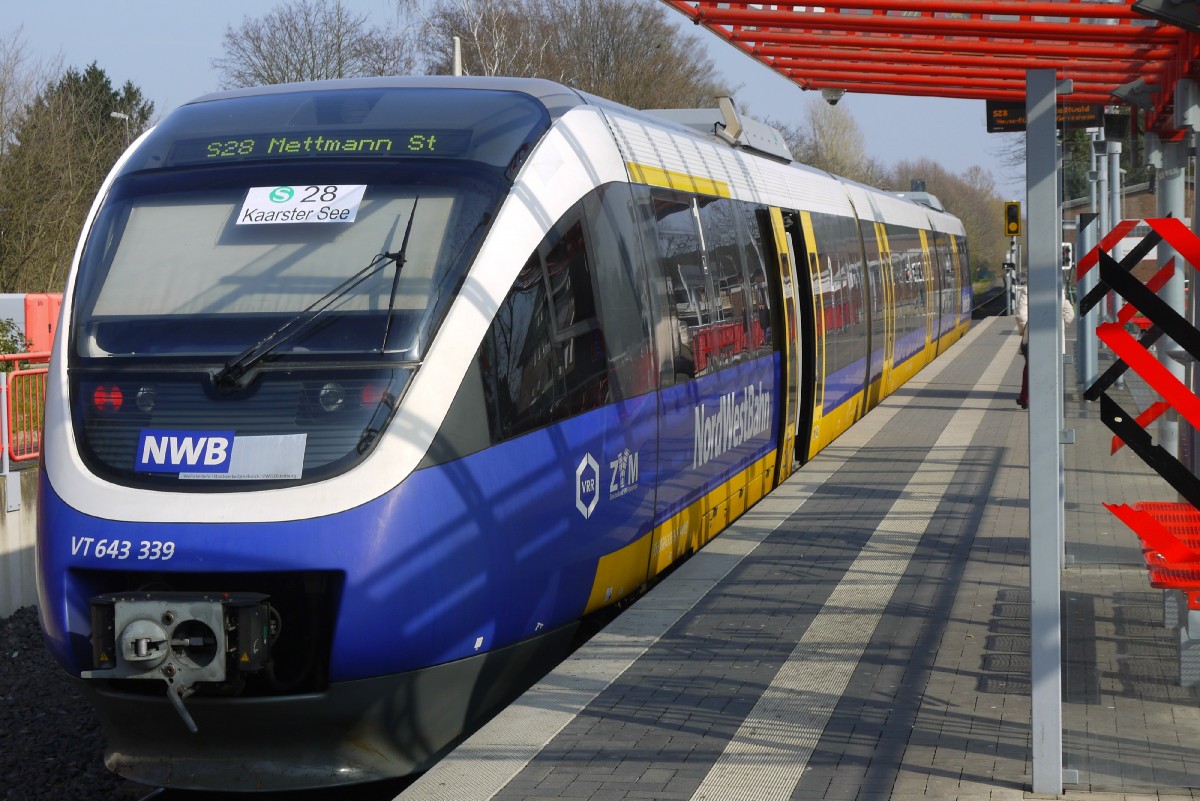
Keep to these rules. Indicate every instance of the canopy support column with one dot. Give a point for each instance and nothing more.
(1045, 428)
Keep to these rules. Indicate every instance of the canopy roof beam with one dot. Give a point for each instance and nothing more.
(960, 48)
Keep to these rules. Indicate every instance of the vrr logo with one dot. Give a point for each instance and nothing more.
(587, 486)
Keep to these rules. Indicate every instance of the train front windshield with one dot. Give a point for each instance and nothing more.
(208, 263)
(277, 265)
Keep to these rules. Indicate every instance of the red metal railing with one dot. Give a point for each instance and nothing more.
(25, 391)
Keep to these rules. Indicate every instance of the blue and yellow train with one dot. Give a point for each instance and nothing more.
(367, 391)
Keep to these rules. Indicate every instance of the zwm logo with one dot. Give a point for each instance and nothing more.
(624, 474)
(587, 486)
(184, 451)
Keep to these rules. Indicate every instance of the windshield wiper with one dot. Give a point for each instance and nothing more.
(400, 259)
(229, 377)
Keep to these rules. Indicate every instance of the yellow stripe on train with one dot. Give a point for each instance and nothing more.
(620, 573)
(670, 179)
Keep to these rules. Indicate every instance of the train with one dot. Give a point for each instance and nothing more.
(367, 392)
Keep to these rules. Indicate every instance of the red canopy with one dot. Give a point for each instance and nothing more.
(977, 49)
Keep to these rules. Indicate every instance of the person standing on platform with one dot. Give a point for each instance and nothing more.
(1021, 313)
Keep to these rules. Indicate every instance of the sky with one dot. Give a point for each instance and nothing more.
(166, 48)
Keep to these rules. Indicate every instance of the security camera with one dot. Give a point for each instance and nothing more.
(832, 96)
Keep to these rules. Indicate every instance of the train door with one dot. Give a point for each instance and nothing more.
(929, 280)
(790, 351)
(887, 295)
(943, 283)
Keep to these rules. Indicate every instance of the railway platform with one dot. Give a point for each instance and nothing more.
(863, 633)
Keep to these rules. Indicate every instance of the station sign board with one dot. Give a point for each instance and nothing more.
(1006, 117)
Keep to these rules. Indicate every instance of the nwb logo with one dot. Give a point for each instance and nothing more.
(184, 451)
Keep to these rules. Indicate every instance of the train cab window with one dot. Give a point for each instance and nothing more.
(580, 356)
(570, 282)
(612, 238)
(518, 373)
(544, 358)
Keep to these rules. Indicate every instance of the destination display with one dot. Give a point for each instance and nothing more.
(1005, 117)
(320, 145)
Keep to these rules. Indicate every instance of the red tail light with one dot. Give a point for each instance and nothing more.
(108, 398)
(372, 394)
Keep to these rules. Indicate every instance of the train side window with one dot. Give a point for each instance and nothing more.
(843, 287)
(681, 255)
(907, 264)
(727, 338)
(964, 278)
(755, 260)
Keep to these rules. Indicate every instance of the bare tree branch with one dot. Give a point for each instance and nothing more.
(586, 45)
(310, 40)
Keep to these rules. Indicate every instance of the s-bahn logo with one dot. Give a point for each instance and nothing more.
(184, 451)
(587, 486)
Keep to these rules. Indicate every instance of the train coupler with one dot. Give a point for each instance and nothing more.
(181, 638)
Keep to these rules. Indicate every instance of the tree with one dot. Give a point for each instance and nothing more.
(13, 87)
(64, 143)
(20, 79)
(309, 40)
(1077, 156)
(973, 198)
(830, 139)
(594, 47)
(497, 37)
(586, 45)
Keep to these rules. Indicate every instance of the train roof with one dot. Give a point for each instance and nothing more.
(557, 98)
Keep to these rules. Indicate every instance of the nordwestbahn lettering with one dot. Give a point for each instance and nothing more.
(162, 451)
(731, 424)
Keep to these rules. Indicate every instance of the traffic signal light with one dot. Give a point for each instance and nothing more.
(1012, 218)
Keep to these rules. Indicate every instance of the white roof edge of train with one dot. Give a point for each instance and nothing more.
(699, 124)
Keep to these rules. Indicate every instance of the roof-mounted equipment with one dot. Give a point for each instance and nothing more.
(730, 127)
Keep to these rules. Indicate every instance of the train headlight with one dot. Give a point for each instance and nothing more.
(332, 397)
(146, 397)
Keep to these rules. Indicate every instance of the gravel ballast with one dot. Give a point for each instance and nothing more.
(51, 746)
